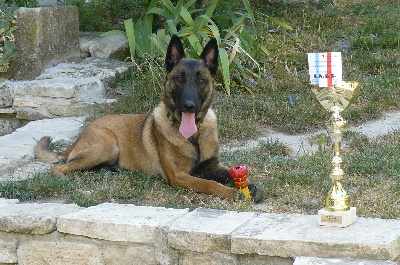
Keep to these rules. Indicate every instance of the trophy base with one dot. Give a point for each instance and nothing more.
(337, 219)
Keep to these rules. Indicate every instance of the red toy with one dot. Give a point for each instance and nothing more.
(239, 175)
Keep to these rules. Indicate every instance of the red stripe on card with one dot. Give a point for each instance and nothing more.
(329, 68)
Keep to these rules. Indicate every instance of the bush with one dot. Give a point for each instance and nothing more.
(235, 33)
(8, 24)
(105, 15)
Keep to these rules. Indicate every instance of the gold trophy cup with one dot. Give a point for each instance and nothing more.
(337, 210)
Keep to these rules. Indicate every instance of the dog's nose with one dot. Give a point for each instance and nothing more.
(189, 105)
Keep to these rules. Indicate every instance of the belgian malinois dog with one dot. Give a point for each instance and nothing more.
(177, 140)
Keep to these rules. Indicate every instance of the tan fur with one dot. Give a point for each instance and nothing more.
(151, 143)
(146, 143)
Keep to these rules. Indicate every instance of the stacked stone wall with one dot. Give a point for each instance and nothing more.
(50, 233)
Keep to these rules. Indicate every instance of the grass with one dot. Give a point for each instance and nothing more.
(367, 34)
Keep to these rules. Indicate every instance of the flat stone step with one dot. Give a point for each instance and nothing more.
(225, 235)
(294, 235)
(67, 89)
(343, 261)
(16, 149)
(32, 218)
(60, 87)
(105, 70)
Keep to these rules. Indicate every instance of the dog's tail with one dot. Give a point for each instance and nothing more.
(43, 152)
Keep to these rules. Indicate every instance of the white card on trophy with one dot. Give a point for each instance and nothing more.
(325, 68)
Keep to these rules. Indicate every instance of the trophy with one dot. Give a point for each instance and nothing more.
(335, 97)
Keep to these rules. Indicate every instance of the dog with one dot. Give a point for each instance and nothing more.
(177, 140)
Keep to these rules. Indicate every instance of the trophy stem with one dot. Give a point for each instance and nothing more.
(337, 199)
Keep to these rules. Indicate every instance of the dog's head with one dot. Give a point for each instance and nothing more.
(189, 87)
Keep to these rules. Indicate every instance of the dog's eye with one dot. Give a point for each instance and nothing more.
(179, 78)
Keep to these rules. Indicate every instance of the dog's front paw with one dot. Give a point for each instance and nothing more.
(255, 193)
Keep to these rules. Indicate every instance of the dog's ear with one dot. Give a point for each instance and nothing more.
(210, 56)
(175, 53)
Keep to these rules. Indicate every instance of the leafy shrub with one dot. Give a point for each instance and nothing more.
(23, 3)
(105, 15)
(237, 40)
(7, 26)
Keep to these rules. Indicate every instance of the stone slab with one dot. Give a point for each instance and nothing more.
(210, 258)
(62, 87)
(107, 71)
(33, 218)
(113, 46)
(44, 35)
(16, 149)
(285, 235)
(6, 202)
(8, 111)
(27, 136)
(78, 109)
(137, 254)
(6, 94)
(49, 252)
(120, 222)
(205, 230)
(8, 251)
(344, 261)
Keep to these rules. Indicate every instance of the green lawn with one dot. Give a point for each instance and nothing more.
(368, 35)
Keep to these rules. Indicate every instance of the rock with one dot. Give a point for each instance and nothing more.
(16, 149)
(8, 254)
(51, 252)
(341, 261)
(33, 114)
(207, 233)
(295, 235)
(61, 96)
(33, 218)
(140, 254)
(5, 94)
(5, 126)
(113, 46)
(67, 88)
(123, 223)
(108, 71)
(8, 123)
(44, 35)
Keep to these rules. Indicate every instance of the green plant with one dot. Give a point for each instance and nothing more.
(197, 26)
(104, 15)
(321, 140)
(23, 3)
(8, 23)
(143, 94)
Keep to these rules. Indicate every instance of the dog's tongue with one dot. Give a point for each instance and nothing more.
(188, 124)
